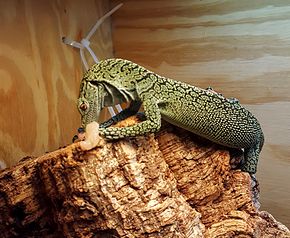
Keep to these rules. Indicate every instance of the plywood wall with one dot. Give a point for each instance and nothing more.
(240, 48)
(39, 75)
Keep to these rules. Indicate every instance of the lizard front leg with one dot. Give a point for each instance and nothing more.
(150, 125)
(129, 111)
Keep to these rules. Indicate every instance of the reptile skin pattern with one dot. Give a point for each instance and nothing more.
(202, 111)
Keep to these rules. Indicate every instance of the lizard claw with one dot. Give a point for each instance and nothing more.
(80, 135)
(75, 138)
(81, 130)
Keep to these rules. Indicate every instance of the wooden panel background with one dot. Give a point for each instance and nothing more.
(240, 48)
(39, 75)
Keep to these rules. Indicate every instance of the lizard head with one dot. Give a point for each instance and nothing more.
(90, 102)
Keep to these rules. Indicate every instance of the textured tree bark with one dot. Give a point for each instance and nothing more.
(172, 184)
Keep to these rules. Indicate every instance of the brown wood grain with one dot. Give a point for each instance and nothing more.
(240, 48)
(172, 184)
(39, 75)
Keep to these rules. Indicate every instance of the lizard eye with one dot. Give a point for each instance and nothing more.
(83, 107)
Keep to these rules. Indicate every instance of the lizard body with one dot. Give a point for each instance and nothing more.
(201, 111)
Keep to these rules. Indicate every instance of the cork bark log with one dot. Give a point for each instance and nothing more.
(172, 184)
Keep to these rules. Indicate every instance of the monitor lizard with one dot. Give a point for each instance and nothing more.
(202, 111)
